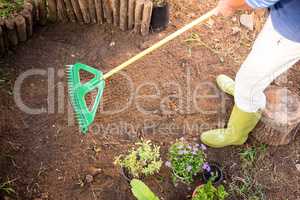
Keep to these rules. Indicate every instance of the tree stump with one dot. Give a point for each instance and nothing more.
(281, 117)
(147, 12)
(99, 11)
(116, 11)
(21, 28)
(92, 11)
(84, 7)
(52, 13)
(138, 15)
(123, 14)
(107, 10)
(69, 11)
(77, 11)
(61, 11)
(131, 10)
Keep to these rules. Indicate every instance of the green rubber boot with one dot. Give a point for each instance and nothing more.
(239, 126)
(226, 84)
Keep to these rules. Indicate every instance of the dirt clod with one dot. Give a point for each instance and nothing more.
(89, 178)
(94, 171)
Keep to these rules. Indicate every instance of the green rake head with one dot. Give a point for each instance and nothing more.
(77, 91)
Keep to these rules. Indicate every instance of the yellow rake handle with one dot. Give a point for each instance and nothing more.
(160, 43)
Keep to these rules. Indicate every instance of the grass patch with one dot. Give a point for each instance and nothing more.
(250, 154)
(7, 7)
(6, 187)
(246, 189)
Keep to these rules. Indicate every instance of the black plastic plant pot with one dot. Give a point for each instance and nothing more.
(215, 174)
(160, 18)
(126, 175)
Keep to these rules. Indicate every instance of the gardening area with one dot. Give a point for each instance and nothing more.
(145, 140)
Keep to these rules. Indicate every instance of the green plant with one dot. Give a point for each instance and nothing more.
(141, 191)
(185, 160)
(249, 155)
(210, 192)
(8, 7)
(142, 160)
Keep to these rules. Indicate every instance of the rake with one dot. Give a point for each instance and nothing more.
(78, 90)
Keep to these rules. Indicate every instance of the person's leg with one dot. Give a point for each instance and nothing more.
(271, 55)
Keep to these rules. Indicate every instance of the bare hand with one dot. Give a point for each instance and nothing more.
(224, 8)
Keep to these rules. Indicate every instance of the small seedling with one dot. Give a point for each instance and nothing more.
(249, 154)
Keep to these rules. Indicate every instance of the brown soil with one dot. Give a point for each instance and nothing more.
(47, 157)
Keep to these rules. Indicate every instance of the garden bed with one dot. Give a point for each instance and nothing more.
(18, 17)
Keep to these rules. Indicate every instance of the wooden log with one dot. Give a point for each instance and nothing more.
(4, 34)
(52, 12)
(69, 11)
(92, 11)
(2, 44)
(77, 11)
(138, 15)
(28, 6)
(280, 119)
(11, 32)
(28, 19)
(62, 11)
(34, 12)
(21, 28)
(131, 10)
(123, 14)
(147, 12)
(42, 11)
(116, 11)
(107, 10)
(84, 7)
(99, 11)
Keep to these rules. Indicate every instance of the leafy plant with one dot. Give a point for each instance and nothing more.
(8, 7)
(185, 160)
(210, 192)
(141, 191)
(142, 160)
